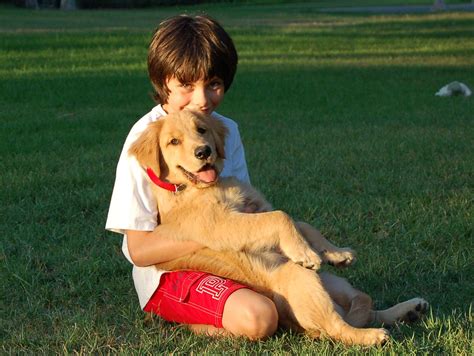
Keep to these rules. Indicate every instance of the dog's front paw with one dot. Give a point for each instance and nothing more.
(303, 256)
(310, 260)
(342, 257)
(375, 337)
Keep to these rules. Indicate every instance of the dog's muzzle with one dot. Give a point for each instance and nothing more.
(202, 152)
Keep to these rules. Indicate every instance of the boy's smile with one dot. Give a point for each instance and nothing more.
(203, 96)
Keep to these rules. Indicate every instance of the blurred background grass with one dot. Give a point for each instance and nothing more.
(341, 128)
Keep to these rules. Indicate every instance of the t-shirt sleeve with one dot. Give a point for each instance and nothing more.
(132, 206)
(239, 169)
(235, 164)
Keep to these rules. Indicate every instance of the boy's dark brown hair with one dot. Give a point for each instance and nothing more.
(190, 48)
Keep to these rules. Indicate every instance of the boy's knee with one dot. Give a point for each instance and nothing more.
(259, 320)
(250, 314)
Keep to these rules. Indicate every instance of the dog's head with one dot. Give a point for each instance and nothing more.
(183, 148)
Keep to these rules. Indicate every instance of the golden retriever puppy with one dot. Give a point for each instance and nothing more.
(266, 249)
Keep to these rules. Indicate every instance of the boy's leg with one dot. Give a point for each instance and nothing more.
(213, 305)
(209, 330)
(246, 313)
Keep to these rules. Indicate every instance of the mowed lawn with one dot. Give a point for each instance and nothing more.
(341, 128)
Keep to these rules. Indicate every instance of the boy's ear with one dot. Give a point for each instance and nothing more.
(146, 148)
(219, 132)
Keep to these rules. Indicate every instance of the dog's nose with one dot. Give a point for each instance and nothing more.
(202, 152)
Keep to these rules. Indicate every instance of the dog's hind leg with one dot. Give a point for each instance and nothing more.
(302, 294)
(336, 256)
(356, 305)
(358, 309)
(408, 311)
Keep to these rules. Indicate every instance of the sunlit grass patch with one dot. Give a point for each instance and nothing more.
(354, 42)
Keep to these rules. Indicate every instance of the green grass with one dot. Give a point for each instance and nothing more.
(341, 128)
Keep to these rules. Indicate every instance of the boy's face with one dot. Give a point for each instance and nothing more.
(203, 95)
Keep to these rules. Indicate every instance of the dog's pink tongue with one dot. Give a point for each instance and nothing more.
(207, 175)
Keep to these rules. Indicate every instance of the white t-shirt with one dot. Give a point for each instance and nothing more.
(133, 206)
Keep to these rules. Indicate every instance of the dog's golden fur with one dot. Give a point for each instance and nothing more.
(264, 249)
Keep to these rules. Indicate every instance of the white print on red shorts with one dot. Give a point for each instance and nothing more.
(213, 286)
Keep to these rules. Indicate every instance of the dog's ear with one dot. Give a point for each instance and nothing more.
(219, 132)
(146, 148)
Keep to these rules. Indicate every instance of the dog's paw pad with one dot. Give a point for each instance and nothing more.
(412, 316)
(420, 307)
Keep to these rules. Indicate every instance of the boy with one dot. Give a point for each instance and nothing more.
(191, 63)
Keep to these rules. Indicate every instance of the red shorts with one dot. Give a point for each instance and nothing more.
(191, 297)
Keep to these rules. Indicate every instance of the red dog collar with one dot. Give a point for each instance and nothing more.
(165, 185)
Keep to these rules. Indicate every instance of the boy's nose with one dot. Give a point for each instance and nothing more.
(201, 99)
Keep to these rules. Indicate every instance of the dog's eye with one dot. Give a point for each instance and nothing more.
(201, 130)
(174, 142)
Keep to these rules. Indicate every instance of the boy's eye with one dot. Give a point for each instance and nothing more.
(215, 84)
(201, 130)
(174, 141)
(186, 85)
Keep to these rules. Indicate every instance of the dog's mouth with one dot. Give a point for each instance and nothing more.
(207, 174)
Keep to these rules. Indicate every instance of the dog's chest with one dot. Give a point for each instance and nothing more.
(218, 197)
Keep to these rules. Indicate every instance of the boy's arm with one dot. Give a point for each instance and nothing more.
(150, 247)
